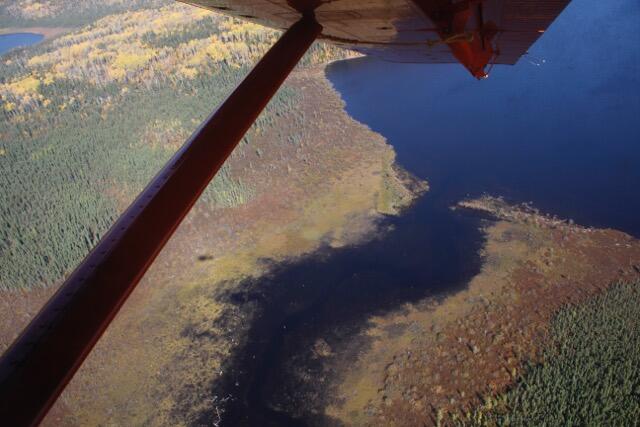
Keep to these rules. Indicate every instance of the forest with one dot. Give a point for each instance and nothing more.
(590, 371)
(89, 117)
(65, 13)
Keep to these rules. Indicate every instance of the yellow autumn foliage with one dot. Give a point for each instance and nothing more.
(133, 59)
(120, 48)
(23, 86)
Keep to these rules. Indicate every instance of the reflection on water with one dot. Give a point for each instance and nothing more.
(12, 41)
(560, 129)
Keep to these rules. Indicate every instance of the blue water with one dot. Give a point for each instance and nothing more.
(12, 41)
(563, 133)
(560, 129)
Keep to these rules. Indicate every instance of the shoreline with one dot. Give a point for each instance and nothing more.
(46, 32)
(453, 354)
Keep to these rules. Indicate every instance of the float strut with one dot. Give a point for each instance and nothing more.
(39, 364)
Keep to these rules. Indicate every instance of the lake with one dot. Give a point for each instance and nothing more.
(560, 129)
(564, 134)
(14, 40)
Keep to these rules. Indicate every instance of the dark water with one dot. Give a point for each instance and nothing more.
(563, 133)
(12, 41)
(330, 296)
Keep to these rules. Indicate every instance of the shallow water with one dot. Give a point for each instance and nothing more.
(560, 129)
(330, 295)
(14, 40)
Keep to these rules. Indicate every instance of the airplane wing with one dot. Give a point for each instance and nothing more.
(473, 32)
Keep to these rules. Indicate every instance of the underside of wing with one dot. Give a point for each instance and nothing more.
(473, 32)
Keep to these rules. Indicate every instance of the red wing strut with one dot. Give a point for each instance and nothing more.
(36, 368)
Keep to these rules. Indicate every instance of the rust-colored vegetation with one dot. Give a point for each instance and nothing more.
(452, 360)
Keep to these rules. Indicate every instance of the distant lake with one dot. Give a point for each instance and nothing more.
(12, 41)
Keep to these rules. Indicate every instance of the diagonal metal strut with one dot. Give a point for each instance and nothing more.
(39, 364)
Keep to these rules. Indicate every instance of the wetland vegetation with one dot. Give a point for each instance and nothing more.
(541, 334)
